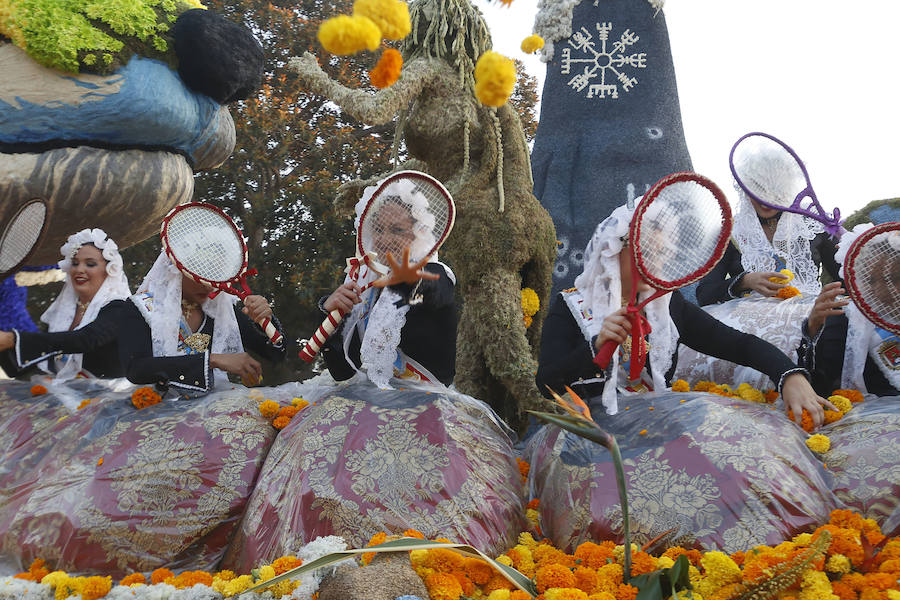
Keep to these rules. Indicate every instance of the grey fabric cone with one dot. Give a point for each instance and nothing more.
(610, 121)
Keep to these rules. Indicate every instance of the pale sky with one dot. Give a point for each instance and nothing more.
(821, 75)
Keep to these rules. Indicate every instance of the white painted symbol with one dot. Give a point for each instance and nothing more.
(603, 70)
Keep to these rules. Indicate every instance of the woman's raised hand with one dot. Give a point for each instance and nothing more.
(404, 272)
(616, 327)
(798, 394)
(343, 298)
(828, 303)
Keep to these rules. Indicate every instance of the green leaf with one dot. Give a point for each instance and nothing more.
(579, 427)
(673, 579)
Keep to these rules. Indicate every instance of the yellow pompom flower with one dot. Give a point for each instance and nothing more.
(787, 276)
(842, 403)
(96, 587)
(269, 409)
(530, 302)
(237, 585)
(266, 572)
(344, 35)
(893, 594)
(499, 595)
(803, 539)
(838, 563)
(818, 443)
(680, 385)
(53, 579)
(750, 393)
(495, 79)
(504, 560)
(532, 44)
(299, 403)
(390, 16)
(664, 562)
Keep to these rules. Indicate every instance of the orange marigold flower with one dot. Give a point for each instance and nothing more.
(288, 411)
(843, 591)
(132, 579)
(524, 468)
(281, 422)
(285, 563)
(872, 594)
(832, 415)
(497, 582)
(444, 560)
(680, 385)
(602, 596)
(593, 555)
(378, 538)
(586, 579)
(387, 71)
(880, 581)
(612, 573)
(519, 595)
(226, 575)
(788, 292)
(85, 402)
(534, 503)
(100, 461)
(443, 586)
(806, 421)
(738, 558)
(468, 588)
(189, 579)
(641, 563)
(693, 556)
(38, 390)
(565, 594)
(626, 592)
(890, 566)
(144, 397)
(160, 575)
(97, 587)
(851, 395)
(478, 571)
(269, 409)
(846, 518)
(553, 576)
(36, 571)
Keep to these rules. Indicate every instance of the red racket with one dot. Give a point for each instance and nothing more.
(409, 209)
(872, 275)
(21, 236)
(206, 245)
(679, 231)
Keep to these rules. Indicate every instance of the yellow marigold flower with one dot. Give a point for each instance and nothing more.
(664, 562)
(606, 596)
(344, 35)
(418, 557)
(533, 516)
(750, 393)
(225, 575)
(803, 539)
(266, 572)
(504, 560)
(495, 78)
(893, 594)
(269, 409)
(283, 588)
(815, 586)
(787, 276)
(530, 302)
(532, 44)
(680, 385)
(299, 403)
(527, 540)
(720, 570)
(237, 585)
(390, 16)
(53, 579)
(387, 71)
(565, 594)
(818, 443)
(499, 595)
(838, 563)
(842, 403)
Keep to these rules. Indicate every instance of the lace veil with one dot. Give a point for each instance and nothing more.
(601, 288)
(61, 312)
(163, 285)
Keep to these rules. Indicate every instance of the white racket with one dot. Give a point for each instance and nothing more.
(21, 236)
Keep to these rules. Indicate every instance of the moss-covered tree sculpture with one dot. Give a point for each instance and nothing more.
(503, 239)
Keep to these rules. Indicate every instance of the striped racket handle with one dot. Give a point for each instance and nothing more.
(271, 330)
(317, 340)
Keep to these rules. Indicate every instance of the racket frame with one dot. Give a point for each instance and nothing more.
(850, 281)
(833, 224)
(37, 239)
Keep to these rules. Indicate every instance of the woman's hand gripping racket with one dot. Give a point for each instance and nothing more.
(872, 275)
(206, 245)
(408, 215)
(771, 173)
(678, 233)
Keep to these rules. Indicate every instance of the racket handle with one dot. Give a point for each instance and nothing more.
(270, 329)
(605, 354)
(317, 340)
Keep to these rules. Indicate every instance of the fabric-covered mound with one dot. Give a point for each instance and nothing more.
(364, 460)
(726, 474)
(774, 320)
(865, 460)
(111, 489)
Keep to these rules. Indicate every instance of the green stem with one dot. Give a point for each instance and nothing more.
(623, 500)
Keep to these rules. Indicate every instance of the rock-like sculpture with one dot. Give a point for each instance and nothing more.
(95, 122)
(503, 239)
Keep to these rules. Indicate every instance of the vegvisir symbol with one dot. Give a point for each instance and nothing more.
(600, 61)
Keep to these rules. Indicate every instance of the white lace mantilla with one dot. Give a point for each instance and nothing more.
(381, 338)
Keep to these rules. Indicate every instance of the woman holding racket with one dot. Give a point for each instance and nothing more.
(175, 335)
(766, 240)
(583, 319)
(82, 321)
(405, 324)
(869, 360)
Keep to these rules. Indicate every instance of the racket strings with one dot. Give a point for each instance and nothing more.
(408, 212)
(680, 231)
(21, 234)
(765, 169)
(206, 243)
(876, 274)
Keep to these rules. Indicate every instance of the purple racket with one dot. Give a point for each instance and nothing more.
(771, 173)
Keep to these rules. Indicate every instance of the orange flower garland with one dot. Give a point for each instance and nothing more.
(387, 70)
(144, 397)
